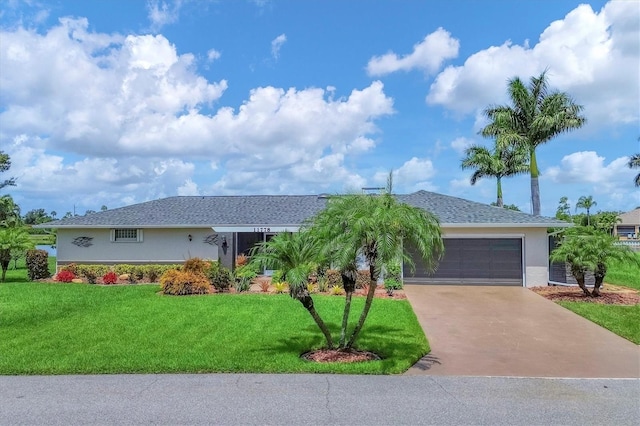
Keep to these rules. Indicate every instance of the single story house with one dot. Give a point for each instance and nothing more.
(484, 244)
(629, 226)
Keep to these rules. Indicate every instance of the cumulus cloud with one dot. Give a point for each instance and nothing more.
(428, 56)
(276, 44)
(212, 55)
(594, 56)
(614, 179)
(127, 107)
(413, 175)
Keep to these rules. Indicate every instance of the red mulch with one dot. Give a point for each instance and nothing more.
(609, 295)
(334, 355)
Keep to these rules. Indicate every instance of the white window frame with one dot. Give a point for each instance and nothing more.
(137, 239)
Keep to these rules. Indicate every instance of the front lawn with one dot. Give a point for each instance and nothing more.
(82, 329)
(625, 274)
(622, 320)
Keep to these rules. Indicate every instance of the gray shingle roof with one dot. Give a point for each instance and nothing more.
(283, 210)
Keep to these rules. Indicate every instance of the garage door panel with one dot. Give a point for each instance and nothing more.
(484, 261)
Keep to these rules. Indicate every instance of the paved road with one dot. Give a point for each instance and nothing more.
(251, 399)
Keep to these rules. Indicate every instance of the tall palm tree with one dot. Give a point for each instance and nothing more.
(534, 117)
(376, 226)
(293, 254)
(501, 162)
(634, 163)
(586, 203)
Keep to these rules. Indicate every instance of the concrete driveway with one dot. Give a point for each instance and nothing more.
(511, 331)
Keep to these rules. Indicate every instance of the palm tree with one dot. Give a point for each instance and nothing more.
(294, 254)
(12, 239)
(535, 117)
(586, 203)
(376, 226)
(634, 163)
(501, 162)
(9, 212)
(586, 249)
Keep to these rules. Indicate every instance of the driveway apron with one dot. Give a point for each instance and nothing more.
(512, 331)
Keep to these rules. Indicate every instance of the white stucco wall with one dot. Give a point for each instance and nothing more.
(536, 250)
(158, 245)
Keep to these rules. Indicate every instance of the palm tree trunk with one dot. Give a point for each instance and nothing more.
(306, 300)
(499, 201)
(599, 273)
(367, 304)
(535, 185)
(579, 276)
(349, 284)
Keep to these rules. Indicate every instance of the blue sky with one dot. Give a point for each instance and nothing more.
(119, 102)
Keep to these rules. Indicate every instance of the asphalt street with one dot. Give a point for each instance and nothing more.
(254, 399)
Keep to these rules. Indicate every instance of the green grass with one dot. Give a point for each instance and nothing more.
(82, 329)
(622, 320)
(625, 274)
(19, 275)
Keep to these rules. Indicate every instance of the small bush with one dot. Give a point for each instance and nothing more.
(37, 264)
(179, 283)
(393, 271)
(152, 272)
(362, 278)
(280, 287)
(123, 269)
(65, 276)
(71, 267)
(264, 285)
(219, 277)
(391, 285)
(333, 278)
(91, 272)
(197, 265)
(110, 278)
(323, 286)
(137, 272)
(311, 288)
(277, 276)
(336, 290)
(241, 260)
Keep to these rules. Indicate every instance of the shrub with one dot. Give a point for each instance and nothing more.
(336, 290)
(393, 271)
(264, 285)
(91, 272)
(333, 278)
(65, 276)
(362, 278)
(280, 287)
(153, 272)
(123, 269)
(197, 265)
(390, 285)
(311, 288)
(110, 278)
(137, 273)
(219, 277)
(243, 277)
(241, 260)
(179, 283)
(277, 276)
(37, 264)
(323, 286)
(71, 267)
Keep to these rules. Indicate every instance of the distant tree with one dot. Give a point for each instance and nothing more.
(508, 207)
(53, 214)
(88, 212)
(104, 208)
(534, 117)
(586, 202)
(634, 163)
(67, 215)
(606, 221)
(563, 212)
(12, 239)
(9, 212)
(5, 164)
(36, 217)
(500, 163)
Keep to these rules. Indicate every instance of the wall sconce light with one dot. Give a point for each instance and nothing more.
(224, 242)
(190, 237)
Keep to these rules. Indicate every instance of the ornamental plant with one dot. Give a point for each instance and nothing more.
(65, 276)
(110, 278)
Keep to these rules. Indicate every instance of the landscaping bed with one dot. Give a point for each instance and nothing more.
(609, 295)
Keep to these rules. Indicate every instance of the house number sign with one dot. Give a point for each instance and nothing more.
(261, 229)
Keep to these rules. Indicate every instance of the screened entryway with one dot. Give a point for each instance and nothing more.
(469, 261)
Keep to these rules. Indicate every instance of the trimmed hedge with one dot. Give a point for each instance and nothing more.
(37, 264)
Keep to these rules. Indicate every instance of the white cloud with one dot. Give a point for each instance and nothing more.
(615, 179)
(189, 188)
(415, 174)
(460, 144)
(213, 54)
(428, 55)
(276, 44)
(594, 56)
(161, 13)
(119, 111)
